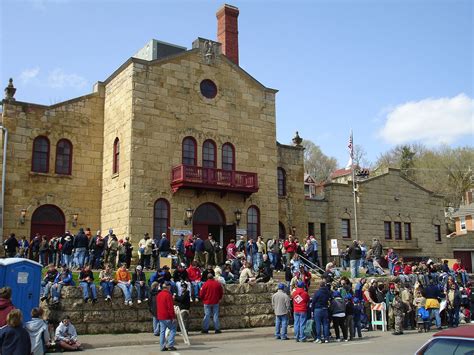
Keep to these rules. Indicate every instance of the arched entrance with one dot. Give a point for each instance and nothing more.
(48, 220)
(209, 218)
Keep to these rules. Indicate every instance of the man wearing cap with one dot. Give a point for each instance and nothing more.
(166, 317)
(300, 307)
(211, 294)
(198, 248)
(180, 248)
(281, 307)
(320, 305)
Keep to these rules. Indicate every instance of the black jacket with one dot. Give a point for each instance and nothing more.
(81, 241)
(183, 301)
(11, 244)
(14, 341)
(355, 253)
(152, 301)
(180, 275)
(136, 276)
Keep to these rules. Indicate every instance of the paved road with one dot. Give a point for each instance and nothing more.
(371, 343)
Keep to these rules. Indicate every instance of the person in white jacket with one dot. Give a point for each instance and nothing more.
(37, 328)
(66, 335)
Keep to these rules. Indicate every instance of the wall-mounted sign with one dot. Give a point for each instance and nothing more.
(186, 232)
(241, 231)
(333, 243)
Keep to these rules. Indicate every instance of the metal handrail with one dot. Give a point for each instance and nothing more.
(313, 264)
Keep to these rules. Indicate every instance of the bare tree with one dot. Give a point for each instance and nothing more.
(316, 163)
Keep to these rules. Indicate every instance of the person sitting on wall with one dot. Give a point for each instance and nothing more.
(107, 282)
(194, 275)
(246, 275)
(66, 335)
(6, 304)
(48, 281)
(86, 281)
(123, 280)
(139, 281)
(64, 278)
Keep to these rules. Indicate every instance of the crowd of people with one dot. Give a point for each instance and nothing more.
(195, 269)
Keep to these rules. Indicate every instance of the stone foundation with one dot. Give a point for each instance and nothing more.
(243, 306)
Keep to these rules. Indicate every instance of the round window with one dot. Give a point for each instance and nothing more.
(208, 89)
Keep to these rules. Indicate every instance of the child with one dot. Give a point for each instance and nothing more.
(358, 316)
(349, 315)
(422, 314)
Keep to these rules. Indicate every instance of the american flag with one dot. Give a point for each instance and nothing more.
(350, 146)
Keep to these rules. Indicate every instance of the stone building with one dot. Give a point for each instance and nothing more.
(174, 141)
(184, 141)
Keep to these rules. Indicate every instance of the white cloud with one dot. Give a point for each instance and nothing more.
(58, 79)
(28, 75)
(430, 121)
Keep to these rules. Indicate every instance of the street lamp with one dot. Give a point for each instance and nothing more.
(238, 216)
(22, 216)
(189, 215)
(75, 216)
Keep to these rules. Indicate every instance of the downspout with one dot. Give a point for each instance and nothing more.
(4, 170)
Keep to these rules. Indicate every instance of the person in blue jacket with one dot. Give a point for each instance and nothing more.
(64, 278)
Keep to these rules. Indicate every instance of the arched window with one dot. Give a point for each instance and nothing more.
(253, 222)
(40, 159)
(161, 218)
(209, 154)
(116, 158)
(281, 182)
(228, 157)
(189, 151)
(64, 157)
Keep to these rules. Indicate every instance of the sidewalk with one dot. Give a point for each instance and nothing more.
(114, 340)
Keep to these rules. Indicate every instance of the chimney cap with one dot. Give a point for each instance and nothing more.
(229, 9)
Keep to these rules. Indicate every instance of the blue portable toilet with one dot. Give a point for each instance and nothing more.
(23, 276)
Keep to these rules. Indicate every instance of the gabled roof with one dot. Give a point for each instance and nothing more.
(464, 210)
(309, 179)
(340, 172)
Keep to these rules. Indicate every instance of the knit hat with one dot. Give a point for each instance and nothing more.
(300, 284)
(281, 286)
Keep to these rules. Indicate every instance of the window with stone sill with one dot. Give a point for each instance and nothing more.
(407, 227)
(387, 229)
(397, 230)
(346, 228)
(462, 223)
(437, 232)
(40, 157)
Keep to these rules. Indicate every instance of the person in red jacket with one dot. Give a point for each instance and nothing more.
(6, 304)
(211, 294)
(300, 307)
(194, 275)
(166, 317)
(290, 248)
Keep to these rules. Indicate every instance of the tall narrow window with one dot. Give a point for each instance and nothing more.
(388, 230)
(397, 229)
(407, 227)
(253, 222)
(281, 182)
(64, 157)
(189, 151)
(161, 218)
(228, 157)
(462, 223)
(116, 157)
(437, 232)
(40, 159)
(209, 154)
(346, 228)
(281, 230)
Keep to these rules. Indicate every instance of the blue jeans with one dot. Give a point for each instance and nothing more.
(107, 288)
(208, 310)
(142, 291)
(321, 318)
(79, 256)
(156, 326)
(354, 268)
(273, 259)
(127, 291)
(453, 316)
(171, 325)
(300, 322)
(47, 289)
(85, 289)
(434, 312)
(358, 327)
(67, 260)
(370, 267)
(56, 290)
(42, 257)
(281, 326)
(195, 287)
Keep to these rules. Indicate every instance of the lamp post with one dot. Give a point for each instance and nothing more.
(75, 216)
(238, 216)
(22, 216)
(189, 216)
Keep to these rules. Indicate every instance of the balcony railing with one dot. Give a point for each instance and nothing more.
(187, 176)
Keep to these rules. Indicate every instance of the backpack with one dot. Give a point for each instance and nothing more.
(309, 329)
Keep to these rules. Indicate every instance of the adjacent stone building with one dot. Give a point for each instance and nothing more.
(184, 141)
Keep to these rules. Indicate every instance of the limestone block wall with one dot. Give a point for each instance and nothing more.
(79, 120)
(291, 208)
(243, 306)
(169, 106)
(118, 115)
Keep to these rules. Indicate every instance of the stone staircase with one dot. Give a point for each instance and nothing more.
(280, 277)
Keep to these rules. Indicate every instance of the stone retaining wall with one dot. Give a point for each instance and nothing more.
(243, 306)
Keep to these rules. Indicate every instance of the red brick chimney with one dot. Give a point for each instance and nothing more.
(227, 31)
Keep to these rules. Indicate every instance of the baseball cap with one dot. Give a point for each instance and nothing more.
(281, 286)
(139, 267)
(300, 284)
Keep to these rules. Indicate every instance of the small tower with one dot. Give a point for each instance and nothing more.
(297, 140)
(10, 91)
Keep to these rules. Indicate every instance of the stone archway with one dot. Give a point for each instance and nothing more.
(48, 220)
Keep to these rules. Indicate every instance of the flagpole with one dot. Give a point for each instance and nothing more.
(354, 191)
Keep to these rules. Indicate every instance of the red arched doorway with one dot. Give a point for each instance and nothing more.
(48, 220)
(209, 218)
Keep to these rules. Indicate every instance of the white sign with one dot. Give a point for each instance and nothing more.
(241, 231)
(22, 278)
(334, 243)
(334, 251)
(182, 231)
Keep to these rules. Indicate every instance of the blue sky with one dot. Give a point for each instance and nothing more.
(394, 71)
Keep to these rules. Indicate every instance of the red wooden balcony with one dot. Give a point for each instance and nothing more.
(187, 176)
